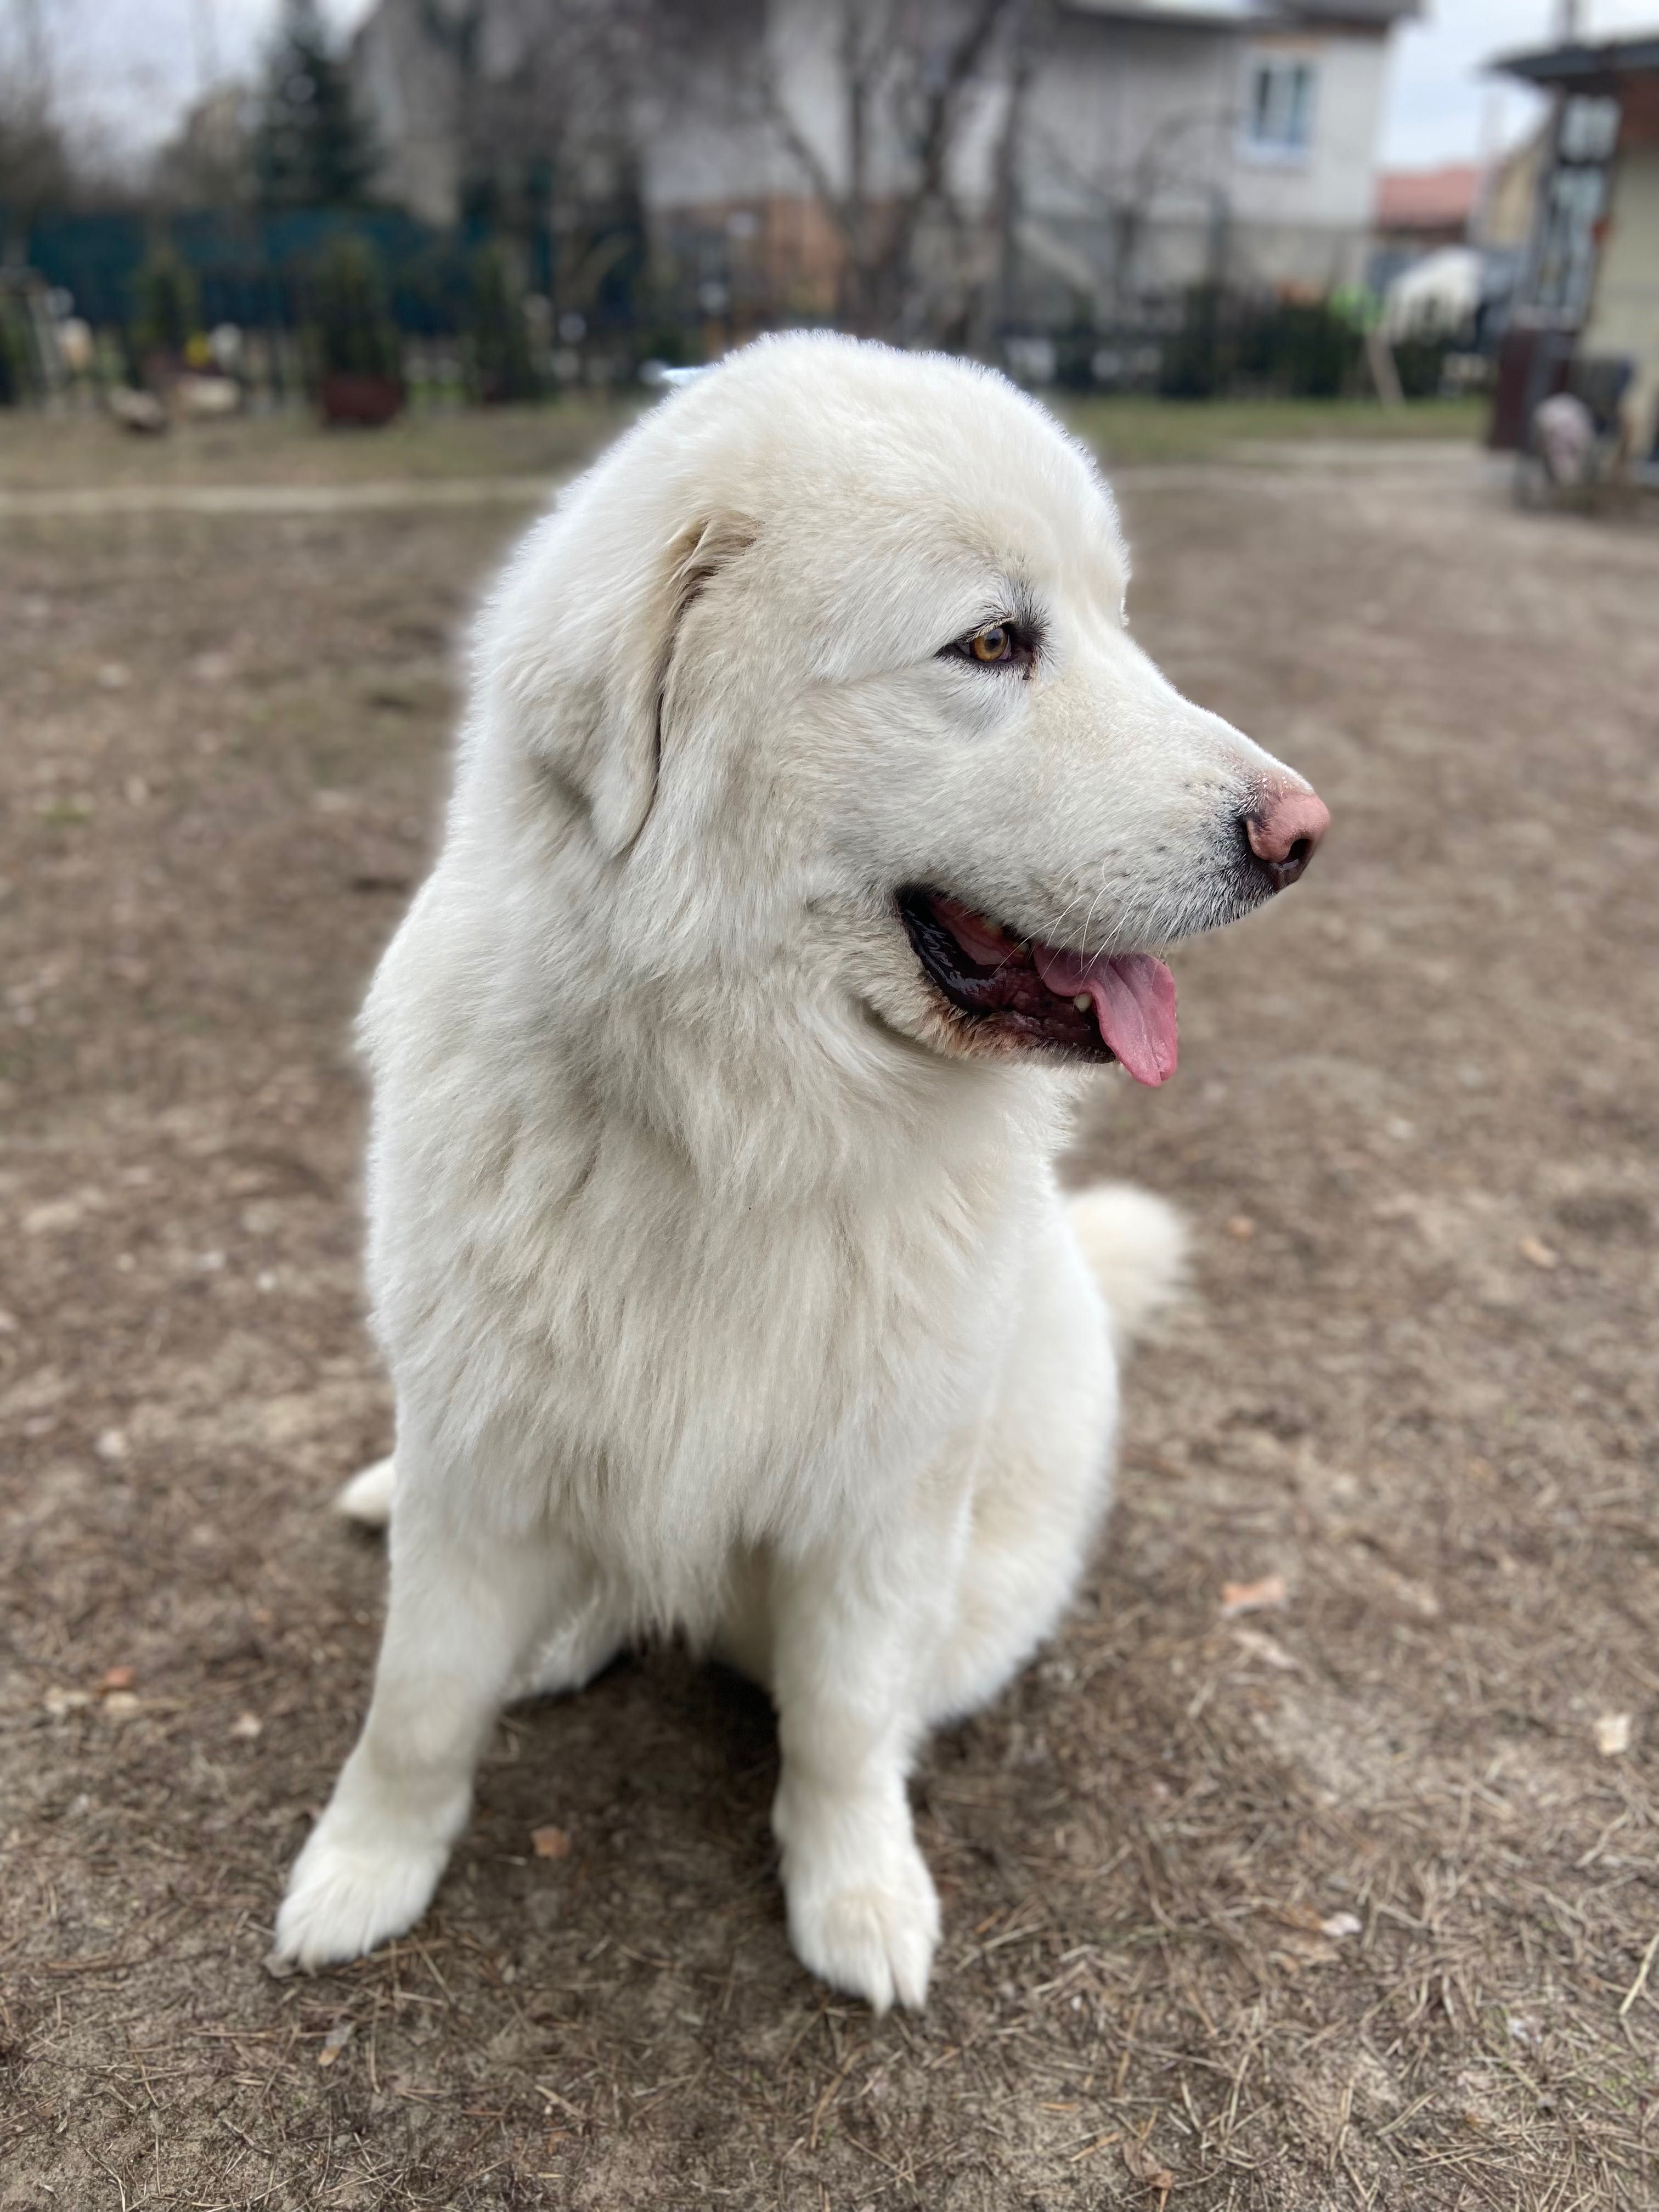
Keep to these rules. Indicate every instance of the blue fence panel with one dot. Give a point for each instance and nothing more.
(249, 266)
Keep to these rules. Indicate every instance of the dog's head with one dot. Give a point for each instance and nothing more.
(827, 661)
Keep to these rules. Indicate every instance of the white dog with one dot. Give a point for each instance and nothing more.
(814, 819)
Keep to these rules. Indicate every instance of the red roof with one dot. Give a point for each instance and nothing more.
(1427, 199)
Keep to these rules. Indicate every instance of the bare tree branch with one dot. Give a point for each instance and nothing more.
(897, 95)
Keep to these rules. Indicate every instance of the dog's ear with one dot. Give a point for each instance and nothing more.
(599, 730)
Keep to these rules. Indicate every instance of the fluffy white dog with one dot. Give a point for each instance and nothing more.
(814, 820)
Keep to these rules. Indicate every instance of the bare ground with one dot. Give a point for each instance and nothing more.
(1344, 1901)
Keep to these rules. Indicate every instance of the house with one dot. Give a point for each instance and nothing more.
(1461, 216)
(1419, 212)
(1587, 310)
(1108, 152)
(1179, 140)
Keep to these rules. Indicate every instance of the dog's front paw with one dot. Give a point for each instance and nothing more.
(354, 1886)
(872, 1930)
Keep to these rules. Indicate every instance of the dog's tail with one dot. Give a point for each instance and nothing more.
(1136, 1247)
(367, 1498)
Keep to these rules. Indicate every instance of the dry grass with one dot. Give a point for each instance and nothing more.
(1336, 1903)
(422, 446)
(1132, 428)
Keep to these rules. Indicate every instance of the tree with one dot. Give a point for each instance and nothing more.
(35, 170)
(209, 160)
(1175, 166)
(503, 367)
(168, 315)
(349, 330)
(312, 148)
(912, 78)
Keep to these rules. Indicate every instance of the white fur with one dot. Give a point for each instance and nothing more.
(1136, 1251)
(726, 1290)
(367, 1498)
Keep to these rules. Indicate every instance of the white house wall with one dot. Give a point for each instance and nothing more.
(709, 144)
(1624, 316)
(1129, 125)
(407, 85)
(1121, 111)
(1328, 190)
(1150, 119)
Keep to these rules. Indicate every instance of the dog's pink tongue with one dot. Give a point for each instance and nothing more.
(1134, 1000)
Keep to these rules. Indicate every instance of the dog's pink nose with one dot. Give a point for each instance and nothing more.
(1285, 828)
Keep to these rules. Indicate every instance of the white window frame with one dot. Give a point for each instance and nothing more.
(1291, 105)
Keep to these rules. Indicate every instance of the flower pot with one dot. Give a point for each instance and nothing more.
(364, 401)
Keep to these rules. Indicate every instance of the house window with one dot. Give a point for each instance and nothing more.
(1279, 107)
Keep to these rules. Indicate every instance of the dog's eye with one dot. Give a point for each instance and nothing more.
(995, 645)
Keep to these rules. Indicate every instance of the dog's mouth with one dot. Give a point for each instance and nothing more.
(1034, 997)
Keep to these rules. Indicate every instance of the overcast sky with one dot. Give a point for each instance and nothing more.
(131, 64)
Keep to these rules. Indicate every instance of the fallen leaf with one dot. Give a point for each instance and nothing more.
(118, 1677)
(1612, 1735)
(1296, 1949)
(551, 1842)
(335, 2042)
(1534, 1249)
(1147, 2166)
(1252, 1597)
(1297, 1916)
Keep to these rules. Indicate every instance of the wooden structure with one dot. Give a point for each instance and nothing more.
(1587, 313)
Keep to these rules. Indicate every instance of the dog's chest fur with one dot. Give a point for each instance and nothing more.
(677, 1365)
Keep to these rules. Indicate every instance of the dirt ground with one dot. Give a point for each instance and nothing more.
(1348, 1900)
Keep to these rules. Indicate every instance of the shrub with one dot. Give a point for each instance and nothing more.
(1292, 349)
(349, 326)
(1198, 358)
(14, 380)
(168, 315)
(498, 339)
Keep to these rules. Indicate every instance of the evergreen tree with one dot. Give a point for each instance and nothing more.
(168, 315)
(349, 330)
(503, 367)
(312, 148)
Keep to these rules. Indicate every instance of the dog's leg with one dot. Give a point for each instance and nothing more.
(851, 1641)
(466, 1609)
(592, 1630)
(1042, 1486)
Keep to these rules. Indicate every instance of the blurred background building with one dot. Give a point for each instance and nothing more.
(1586, 318)
(1118, 151)
(493, 198)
